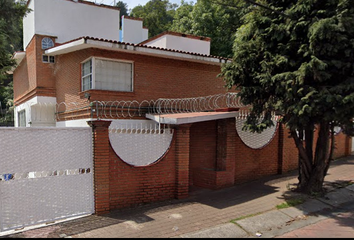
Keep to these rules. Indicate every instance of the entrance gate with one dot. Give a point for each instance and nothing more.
(45, 175)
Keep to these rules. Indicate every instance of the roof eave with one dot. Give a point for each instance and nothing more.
(18, 56)
(84, 43)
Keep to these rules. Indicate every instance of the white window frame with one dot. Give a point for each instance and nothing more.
(46, 40)
(93, 73)
(51, 59)
(21, 113)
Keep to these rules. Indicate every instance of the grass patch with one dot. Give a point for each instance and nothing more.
(243, 217)
(290, 203)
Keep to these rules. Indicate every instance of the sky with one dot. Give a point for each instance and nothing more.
(131, 3)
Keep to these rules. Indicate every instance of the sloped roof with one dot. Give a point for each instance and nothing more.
(90, 42)
(178, 35)
(88, 3)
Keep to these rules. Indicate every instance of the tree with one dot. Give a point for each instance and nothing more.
(11, 14)
(182, 20)
(217, 19)
(296, 58)
(157, 15)
(123, 10)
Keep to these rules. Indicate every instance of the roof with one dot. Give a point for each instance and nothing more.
(193, 117)
(88, 3)
(178, 35)
(132, 18)
(18, 56)
(91, 42)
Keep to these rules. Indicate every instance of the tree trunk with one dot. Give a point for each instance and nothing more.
(313, 167)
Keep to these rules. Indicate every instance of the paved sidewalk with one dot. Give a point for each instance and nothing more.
(208, 213)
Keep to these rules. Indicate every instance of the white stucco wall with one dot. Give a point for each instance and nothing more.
(145, 34)
(40, 111)
(73, 123)
(28, 26)
(133, 31)
(68, 20)
(181, 43)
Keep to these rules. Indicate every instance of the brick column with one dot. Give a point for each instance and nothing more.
(348, 145)
(231, 147)
(182, 160)
(280, 148)
(226, 150)
(101, 165)
(221, 146)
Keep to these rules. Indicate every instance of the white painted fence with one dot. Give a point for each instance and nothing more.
(46, 175)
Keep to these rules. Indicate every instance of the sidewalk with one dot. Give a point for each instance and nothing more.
(242, 211)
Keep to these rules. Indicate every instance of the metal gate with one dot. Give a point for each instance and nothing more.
(46, 175)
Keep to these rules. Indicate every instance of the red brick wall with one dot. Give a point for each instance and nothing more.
(203, 153)
(153, 77)
(191, 160)
(130, 185)
(342, 146)
(251, 164)
(204, 170)
(25, 74)
(34, 75)
(45, 71)
(21, 80)
(290, 160)
(101, 165)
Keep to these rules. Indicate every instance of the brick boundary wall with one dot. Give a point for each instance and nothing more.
(206, 154)
(101, 165)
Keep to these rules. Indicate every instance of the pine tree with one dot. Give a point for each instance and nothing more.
(296, 58)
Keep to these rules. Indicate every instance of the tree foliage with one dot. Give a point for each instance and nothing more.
(157, 15)
(217, 19)
(11, 14)
(123, 10)
(300, 64)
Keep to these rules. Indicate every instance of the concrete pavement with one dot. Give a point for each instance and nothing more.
(242, 211)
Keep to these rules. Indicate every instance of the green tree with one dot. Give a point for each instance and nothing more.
(157, 14)
(182, 21)
(296, 58)
(217, 19)
(11, 14)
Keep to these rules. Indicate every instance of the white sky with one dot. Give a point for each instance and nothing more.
(132, 3)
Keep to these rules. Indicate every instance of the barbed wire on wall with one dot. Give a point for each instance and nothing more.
(243, 114)
(125, 109)
(130, 109)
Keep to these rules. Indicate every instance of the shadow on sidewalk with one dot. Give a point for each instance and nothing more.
(219, 199)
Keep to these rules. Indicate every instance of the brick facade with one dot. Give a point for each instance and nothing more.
(206, 154)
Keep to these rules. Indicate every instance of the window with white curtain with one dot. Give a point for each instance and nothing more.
(104, 74)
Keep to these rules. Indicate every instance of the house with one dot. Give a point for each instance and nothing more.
(162, 120)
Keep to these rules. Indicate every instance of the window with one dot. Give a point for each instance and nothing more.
(21, 117)
(87, 75)
(105, 74)
(48, 59)
(47, 43)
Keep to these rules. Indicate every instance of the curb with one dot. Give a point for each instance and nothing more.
(276, 222)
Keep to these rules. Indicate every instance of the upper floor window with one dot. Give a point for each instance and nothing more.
(47, 43)
(103, 74)
(47, 59)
